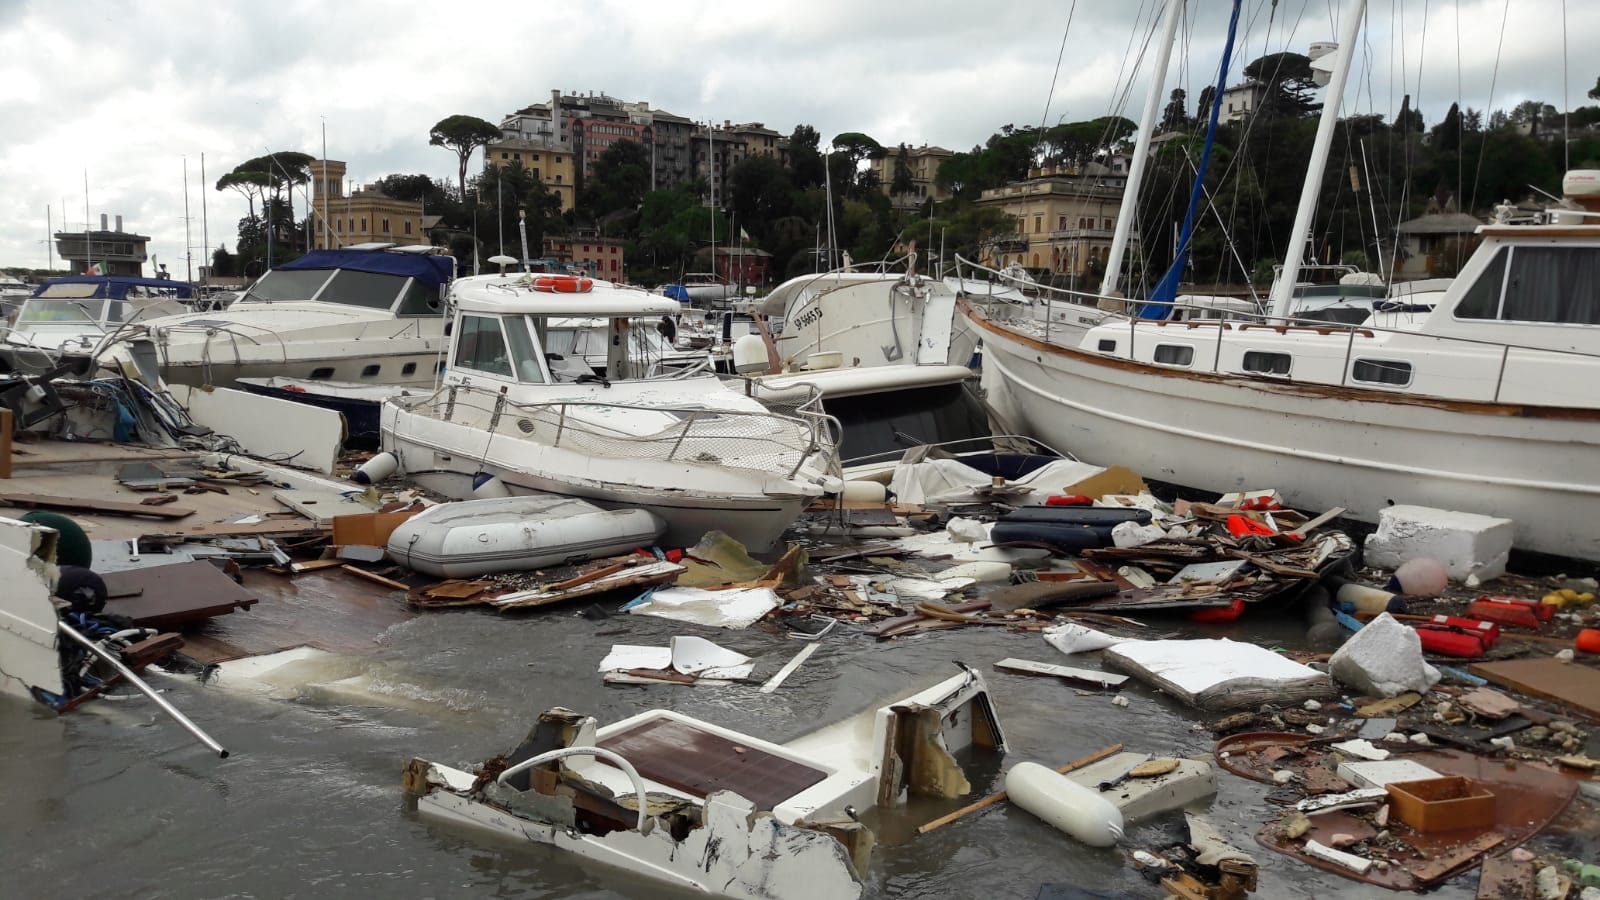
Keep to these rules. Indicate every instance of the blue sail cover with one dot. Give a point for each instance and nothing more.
(677, 292)
(116, 287)
(434, 269)
(1166, 290)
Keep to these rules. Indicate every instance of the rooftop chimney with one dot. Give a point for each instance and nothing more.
(103, 222)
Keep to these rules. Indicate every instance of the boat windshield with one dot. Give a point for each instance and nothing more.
(63, 291)
(343, 286)
(55, 312)
(287, 285)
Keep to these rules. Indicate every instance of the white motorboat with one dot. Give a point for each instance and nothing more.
(1488, 404)
(701, 454)
(703, 289)
(704, 808)
(65, 317)
(369, 314)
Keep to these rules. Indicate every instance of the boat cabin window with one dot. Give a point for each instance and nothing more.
(420, 299)
(39, 310)
(1381, 371)
(1106, 346)
(322, 374)
(408, 369)
(482, 346)
(1174, 354)
(371, 371)
(1553, 284)
(1544, 284)
(288, 285)
(1264, 363)
(366, 289)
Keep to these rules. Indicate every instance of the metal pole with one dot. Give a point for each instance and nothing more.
(148, 691)
(205, 225)
(1141, 150)
(188, 234)
(1305, 215)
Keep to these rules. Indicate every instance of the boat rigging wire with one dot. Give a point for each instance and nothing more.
(1494, 77)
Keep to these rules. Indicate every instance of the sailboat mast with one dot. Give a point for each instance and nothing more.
(205, 226)
(1141, 150)
(1283, 288)
(188, 232)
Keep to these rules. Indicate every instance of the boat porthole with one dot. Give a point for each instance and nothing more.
(525, 426)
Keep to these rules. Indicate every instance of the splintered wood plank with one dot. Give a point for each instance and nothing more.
(1077, 676)
(79, 504)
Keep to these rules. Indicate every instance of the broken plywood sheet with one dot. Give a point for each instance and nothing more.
(635, 576)
(1218, 674)
(169, 596)
(1569, 684)
(88, 505)
(1076, 676)
(297, 434)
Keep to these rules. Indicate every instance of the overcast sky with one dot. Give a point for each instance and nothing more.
(126, 91)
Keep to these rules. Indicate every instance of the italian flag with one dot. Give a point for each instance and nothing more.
(98, 268)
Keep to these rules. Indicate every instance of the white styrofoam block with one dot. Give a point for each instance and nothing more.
(1383, 659)
(1140, 798)
(1466, 543)
(1385, 772)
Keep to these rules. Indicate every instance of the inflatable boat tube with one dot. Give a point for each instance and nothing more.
(509, 534)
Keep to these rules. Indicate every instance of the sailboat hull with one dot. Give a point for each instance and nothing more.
(1321, 446)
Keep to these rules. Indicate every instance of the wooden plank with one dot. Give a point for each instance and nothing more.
(313, 565)
(375, 578)
(269, 528)
(1504, 878)
(84, 505)
(992, 799)
(1572, 685)
(1439, 866)
(1078, 676)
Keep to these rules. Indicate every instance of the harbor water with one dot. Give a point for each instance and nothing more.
(114, 801)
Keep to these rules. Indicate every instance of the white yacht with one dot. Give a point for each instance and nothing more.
(366, 314)
(700, 453)
(1489, 402)
(66, 317)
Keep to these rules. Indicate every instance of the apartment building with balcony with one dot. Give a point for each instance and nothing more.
(1065, 218)
(923, 163)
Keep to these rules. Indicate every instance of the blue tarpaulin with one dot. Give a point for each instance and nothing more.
(116, 286)
(435, 269)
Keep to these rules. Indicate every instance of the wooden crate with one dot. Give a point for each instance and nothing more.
(1442, 804)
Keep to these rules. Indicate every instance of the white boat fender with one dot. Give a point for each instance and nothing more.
(1079, 811)
(864, 492)
(376, 469)
(486, 486)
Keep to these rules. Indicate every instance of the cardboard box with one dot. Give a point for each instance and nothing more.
(1452, 803)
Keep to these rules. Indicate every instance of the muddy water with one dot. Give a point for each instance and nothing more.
(113, 801)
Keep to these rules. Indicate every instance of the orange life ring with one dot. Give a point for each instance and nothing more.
(563, 284)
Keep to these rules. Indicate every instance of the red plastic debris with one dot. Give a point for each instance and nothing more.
(1239, 526)
(1228, 613)
(1068, 500)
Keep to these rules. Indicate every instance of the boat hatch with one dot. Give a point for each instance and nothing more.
(681, 756)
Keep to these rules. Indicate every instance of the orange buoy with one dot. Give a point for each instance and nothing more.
(1588, 640)
(563, 284)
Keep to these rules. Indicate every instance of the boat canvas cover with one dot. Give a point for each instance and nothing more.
(434, 269)
(117, 287)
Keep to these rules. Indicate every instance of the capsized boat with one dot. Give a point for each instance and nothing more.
(693, 805)
(701, 453)
(371, 314)
(67, 316)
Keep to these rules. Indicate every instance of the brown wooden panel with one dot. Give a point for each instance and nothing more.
(697, 762)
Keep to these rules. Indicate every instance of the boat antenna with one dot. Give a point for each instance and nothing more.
(188, 236)
(205, 226)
